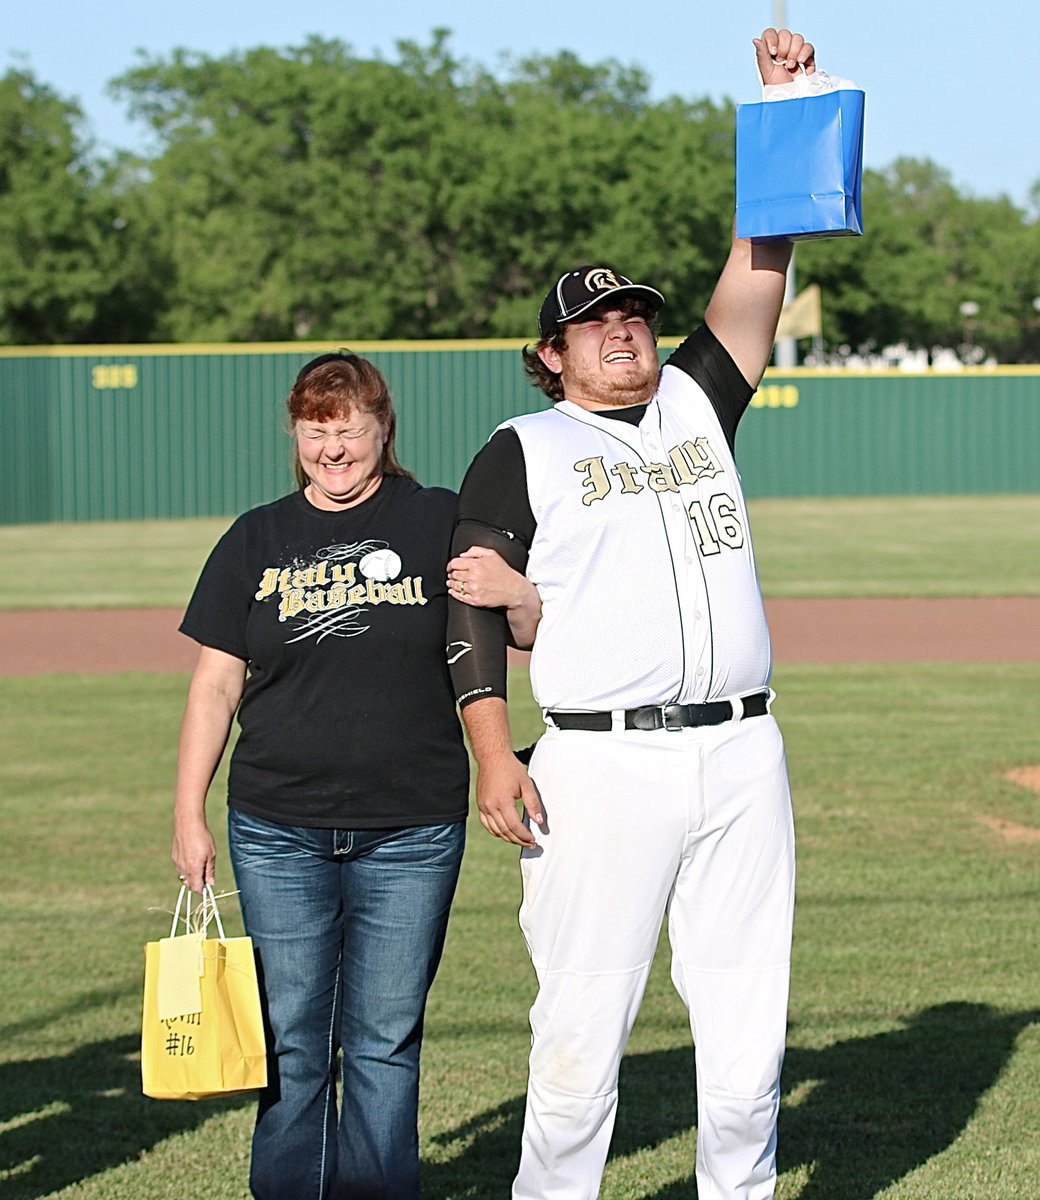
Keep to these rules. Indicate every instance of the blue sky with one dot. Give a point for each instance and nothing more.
(958, 88)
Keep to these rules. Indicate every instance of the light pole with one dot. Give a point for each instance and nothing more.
(785, 355)
(969, 310)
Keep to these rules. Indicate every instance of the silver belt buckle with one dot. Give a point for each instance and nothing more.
(670, 711)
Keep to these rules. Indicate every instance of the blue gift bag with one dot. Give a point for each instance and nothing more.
(800, 167)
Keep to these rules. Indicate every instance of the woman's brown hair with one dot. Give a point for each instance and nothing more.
(335, 385)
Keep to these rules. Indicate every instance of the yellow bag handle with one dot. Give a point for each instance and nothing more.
(206, 912)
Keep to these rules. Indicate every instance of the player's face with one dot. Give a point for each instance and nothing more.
(608, 361)
(342, 459)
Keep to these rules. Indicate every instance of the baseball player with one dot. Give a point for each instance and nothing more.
(660, 785)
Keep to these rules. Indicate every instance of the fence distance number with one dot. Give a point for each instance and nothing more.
(114, 375)
(775, 395)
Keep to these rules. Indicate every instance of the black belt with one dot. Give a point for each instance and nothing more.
(668, 716)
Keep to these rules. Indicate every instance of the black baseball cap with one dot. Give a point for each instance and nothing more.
(579, 290)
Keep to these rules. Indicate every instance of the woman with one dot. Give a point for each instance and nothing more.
(321, 621)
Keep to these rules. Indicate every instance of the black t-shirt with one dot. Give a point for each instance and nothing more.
(348, 717)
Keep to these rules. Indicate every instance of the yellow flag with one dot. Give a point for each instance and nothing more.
(802, 317)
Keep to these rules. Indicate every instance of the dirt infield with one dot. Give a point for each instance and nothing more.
(105, 641)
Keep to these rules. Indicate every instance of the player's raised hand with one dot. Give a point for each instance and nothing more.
(781, 54)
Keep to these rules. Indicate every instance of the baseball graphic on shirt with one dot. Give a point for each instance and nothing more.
(381, 565)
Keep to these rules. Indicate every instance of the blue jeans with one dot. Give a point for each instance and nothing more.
(348, 926)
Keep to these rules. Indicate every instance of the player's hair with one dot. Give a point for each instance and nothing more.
(331, 387)
(550, 382)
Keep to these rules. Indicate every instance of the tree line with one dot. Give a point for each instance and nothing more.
(307, 193)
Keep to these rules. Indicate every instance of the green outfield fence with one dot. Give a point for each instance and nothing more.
(130, 432)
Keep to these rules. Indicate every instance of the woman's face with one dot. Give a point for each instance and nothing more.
(341, 458)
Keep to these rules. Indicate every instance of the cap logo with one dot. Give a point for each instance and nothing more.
(601, 280)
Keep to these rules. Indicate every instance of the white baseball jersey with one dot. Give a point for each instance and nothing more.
(642, 556)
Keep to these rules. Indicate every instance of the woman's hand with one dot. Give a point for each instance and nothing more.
(194, 853)
(482, 578)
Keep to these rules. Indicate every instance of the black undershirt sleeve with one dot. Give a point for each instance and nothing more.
(494, 511)
(704, 358)
(494, 491)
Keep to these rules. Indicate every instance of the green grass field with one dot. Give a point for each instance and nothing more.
(825, 546)
(914, 1064)
(913, 1071)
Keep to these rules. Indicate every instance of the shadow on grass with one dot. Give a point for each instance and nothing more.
(66, 1118)
(879, 1107)
(873, 1109)
(869, 1111)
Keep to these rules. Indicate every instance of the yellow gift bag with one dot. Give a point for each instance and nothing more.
(202, 1033)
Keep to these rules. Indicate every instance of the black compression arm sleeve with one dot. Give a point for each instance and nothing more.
(477, 637)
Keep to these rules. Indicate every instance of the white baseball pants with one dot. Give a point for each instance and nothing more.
(695, 824)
